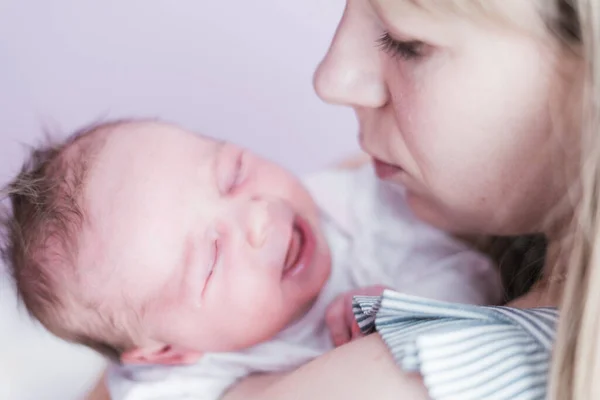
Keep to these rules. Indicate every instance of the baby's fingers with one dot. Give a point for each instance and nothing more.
(355, 330)
(351, 320)
(335, 319)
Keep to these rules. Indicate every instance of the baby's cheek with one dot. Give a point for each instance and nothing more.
(258, 313)
(265, 301)
(249, 292)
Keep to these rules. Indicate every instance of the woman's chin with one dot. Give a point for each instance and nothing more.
(461, 222)
(433, 214)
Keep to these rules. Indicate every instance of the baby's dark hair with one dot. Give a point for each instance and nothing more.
(42, 229)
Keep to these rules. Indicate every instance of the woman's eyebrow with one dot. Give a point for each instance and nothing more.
(409, 20)
(383, 9)
(381, 5)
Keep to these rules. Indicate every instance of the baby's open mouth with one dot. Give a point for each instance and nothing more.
(295, 248)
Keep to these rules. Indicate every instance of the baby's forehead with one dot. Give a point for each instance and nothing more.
(136, 150)
(151, 138)
(140, 155)
(140, 181)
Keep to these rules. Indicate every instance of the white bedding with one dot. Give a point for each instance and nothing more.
(33, 364)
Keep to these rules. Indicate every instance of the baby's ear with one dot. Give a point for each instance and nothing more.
(160, 355)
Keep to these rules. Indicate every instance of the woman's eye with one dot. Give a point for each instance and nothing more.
(407, 50)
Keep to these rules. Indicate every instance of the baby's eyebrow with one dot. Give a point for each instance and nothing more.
(192, 269)
(214, 170)
(181, 278)
(188, 255)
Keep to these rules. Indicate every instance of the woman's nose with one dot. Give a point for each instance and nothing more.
(351, 72)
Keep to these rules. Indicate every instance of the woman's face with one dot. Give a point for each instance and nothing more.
(456, 109)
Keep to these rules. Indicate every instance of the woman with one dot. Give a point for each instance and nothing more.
(476, 108)
(487, 112)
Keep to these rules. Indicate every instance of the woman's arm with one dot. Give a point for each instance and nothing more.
(99, 392)
(362, 369)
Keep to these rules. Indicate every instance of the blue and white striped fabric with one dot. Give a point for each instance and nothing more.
(465, 352)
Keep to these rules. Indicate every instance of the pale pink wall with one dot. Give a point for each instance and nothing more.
(236, 69)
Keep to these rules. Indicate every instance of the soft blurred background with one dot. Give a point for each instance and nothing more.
(235, 69)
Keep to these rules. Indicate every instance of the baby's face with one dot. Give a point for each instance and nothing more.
(213, 247)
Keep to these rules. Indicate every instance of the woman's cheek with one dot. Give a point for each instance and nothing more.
(401, 86)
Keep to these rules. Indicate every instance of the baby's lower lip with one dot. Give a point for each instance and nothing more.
(385, 170)
(295, 248)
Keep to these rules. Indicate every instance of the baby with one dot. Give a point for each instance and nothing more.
(195, 263)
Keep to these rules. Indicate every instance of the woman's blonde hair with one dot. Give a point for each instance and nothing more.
(576, 368)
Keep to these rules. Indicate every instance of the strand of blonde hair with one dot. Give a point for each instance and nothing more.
(576, 366)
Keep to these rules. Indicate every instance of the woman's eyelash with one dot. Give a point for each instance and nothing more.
(408, 50)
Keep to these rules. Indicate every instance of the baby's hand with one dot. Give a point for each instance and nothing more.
(340, 318)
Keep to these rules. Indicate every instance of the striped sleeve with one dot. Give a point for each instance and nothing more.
(463, 351)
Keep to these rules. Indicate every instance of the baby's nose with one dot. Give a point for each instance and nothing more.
(258, 222)
(264, 216)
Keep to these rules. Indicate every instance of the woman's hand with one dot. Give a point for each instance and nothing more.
(340, 318)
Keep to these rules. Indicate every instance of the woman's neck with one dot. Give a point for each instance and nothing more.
(547, 291)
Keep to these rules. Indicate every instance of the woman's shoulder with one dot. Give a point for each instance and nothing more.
(360, 369)
(465, 351)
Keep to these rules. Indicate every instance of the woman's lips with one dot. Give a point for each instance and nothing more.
(385, 170)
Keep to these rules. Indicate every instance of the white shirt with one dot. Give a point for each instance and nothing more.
(374, 239)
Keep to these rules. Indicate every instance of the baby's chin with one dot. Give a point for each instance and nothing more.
(320, 275)
(285, 311)
(308, 295)
(323, 266)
